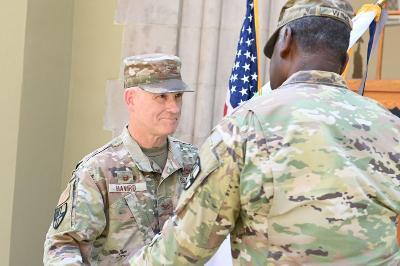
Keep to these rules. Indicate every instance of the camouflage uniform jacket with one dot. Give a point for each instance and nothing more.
(307, 175)
(115, 202)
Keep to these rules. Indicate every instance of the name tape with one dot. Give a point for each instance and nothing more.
(120, 188)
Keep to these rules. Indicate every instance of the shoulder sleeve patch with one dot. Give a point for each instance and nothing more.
(206, 163)
(59, 214)
(62, 205)
(192, 176)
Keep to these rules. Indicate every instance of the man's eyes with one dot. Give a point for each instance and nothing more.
(162, 96)
(165, 97)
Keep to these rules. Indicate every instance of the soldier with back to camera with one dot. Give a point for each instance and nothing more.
(306, 175)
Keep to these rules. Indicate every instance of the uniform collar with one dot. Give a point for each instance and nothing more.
(316, 77)
(137, 155)
(174, 159)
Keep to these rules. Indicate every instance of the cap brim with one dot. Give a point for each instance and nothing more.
(166, 86)
(269, 46)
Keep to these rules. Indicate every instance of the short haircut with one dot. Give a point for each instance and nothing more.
(322, 34)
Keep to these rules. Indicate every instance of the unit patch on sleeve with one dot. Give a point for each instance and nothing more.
(59, 214)
(192, 176)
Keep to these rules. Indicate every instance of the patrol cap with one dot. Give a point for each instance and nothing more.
(340, 10)
(156, 73)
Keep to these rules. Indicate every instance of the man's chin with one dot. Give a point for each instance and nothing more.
(170, 129)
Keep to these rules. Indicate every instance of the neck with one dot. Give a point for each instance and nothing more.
(315, 62)
(146, 140)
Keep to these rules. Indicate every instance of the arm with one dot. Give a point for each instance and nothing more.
(207, 210)
(78, 220)
(204, 216)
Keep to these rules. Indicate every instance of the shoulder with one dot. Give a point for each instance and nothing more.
(185, 151)
(114, 150)
(184, 147)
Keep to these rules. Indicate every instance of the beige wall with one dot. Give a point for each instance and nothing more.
(96, 53)
(42, 117)
(57, 56)
(11, 54)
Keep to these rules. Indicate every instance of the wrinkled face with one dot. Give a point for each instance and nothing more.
(154, 113)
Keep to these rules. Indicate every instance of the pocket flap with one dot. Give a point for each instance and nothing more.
(140, 212)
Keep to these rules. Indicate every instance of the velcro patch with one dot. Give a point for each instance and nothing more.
(199, 174)
(65, 195)
(121, 188)
(59, 214)
(125, 177)
(192, 176)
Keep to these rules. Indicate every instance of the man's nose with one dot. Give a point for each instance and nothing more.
(174, 106)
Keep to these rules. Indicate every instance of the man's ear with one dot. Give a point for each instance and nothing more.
(129, 95)
(286, 41)
(344, 64)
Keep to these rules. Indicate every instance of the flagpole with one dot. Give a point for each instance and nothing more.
(257, 26)
(377, 22)
(381, 3)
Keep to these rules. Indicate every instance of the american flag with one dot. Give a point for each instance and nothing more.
(243, 82)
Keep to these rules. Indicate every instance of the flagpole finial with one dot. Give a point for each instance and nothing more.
(381, 3)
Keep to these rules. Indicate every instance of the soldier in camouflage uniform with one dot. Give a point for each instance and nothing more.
(121, 194)
(307, 175)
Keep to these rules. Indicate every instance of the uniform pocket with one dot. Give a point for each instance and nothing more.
(143, 213)
(121, 217)
(165, 207)
(138, 211)
(126, 233)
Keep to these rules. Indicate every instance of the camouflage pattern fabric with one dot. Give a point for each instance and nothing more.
(156, 73)
(115, 203)
(340, 10)
(307, 175)
(151, 72)
(295, 9)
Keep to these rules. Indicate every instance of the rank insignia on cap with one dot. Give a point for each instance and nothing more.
(59, 214)
(193, 175)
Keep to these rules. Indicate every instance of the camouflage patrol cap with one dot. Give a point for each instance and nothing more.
(340, 10)
(156, 73)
